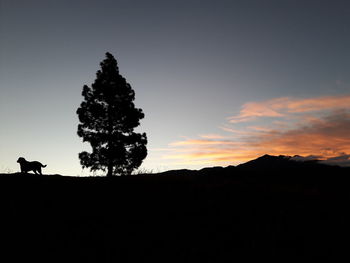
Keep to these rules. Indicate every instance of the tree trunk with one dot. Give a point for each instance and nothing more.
(110, 131)
(110, 169)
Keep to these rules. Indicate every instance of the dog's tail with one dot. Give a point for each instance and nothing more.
(43, 165)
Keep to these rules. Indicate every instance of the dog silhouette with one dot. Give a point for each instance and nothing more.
(30, 166)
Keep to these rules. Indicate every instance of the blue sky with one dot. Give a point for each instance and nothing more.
(193, 65)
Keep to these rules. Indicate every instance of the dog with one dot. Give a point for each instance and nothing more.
(30, 166)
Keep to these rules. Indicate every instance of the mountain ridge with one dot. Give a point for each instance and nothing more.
(264, 163)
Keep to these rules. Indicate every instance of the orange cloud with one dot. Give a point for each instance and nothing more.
(319, 104)
(253, 110)
(319, 126)
(282, 107)
(212, 136)
(328, 138)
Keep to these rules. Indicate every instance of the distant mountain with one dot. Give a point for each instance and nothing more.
(266, 163)
(284, 163)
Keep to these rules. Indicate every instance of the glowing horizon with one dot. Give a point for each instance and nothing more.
(317, 127)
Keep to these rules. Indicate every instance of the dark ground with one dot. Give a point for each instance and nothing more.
(213, 215)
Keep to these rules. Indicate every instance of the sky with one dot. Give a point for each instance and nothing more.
(220, 82)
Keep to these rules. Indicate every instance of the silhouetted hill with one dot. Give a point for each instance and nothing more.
(211, 215)
(282, 163)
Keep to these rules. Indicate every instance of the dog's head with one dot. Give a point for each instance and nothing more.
(21, 160)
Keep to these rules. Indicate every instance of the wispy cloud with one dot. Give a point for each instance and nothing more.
(286, 106)
(212, 136)
(307, 127)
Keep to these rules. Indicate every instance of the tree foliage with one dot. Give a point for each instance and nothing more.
(107, 118)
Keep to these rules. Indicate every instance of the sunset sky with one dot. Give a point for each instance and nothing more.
(220, 82)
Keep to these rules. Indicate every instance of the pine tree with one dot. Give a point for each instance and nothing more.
(107, 118)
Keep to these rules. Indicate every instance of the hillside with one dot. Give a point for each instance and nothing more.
(212, 215)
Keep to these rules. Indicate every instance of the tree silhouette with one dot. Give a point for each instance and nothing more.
(107, 118)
